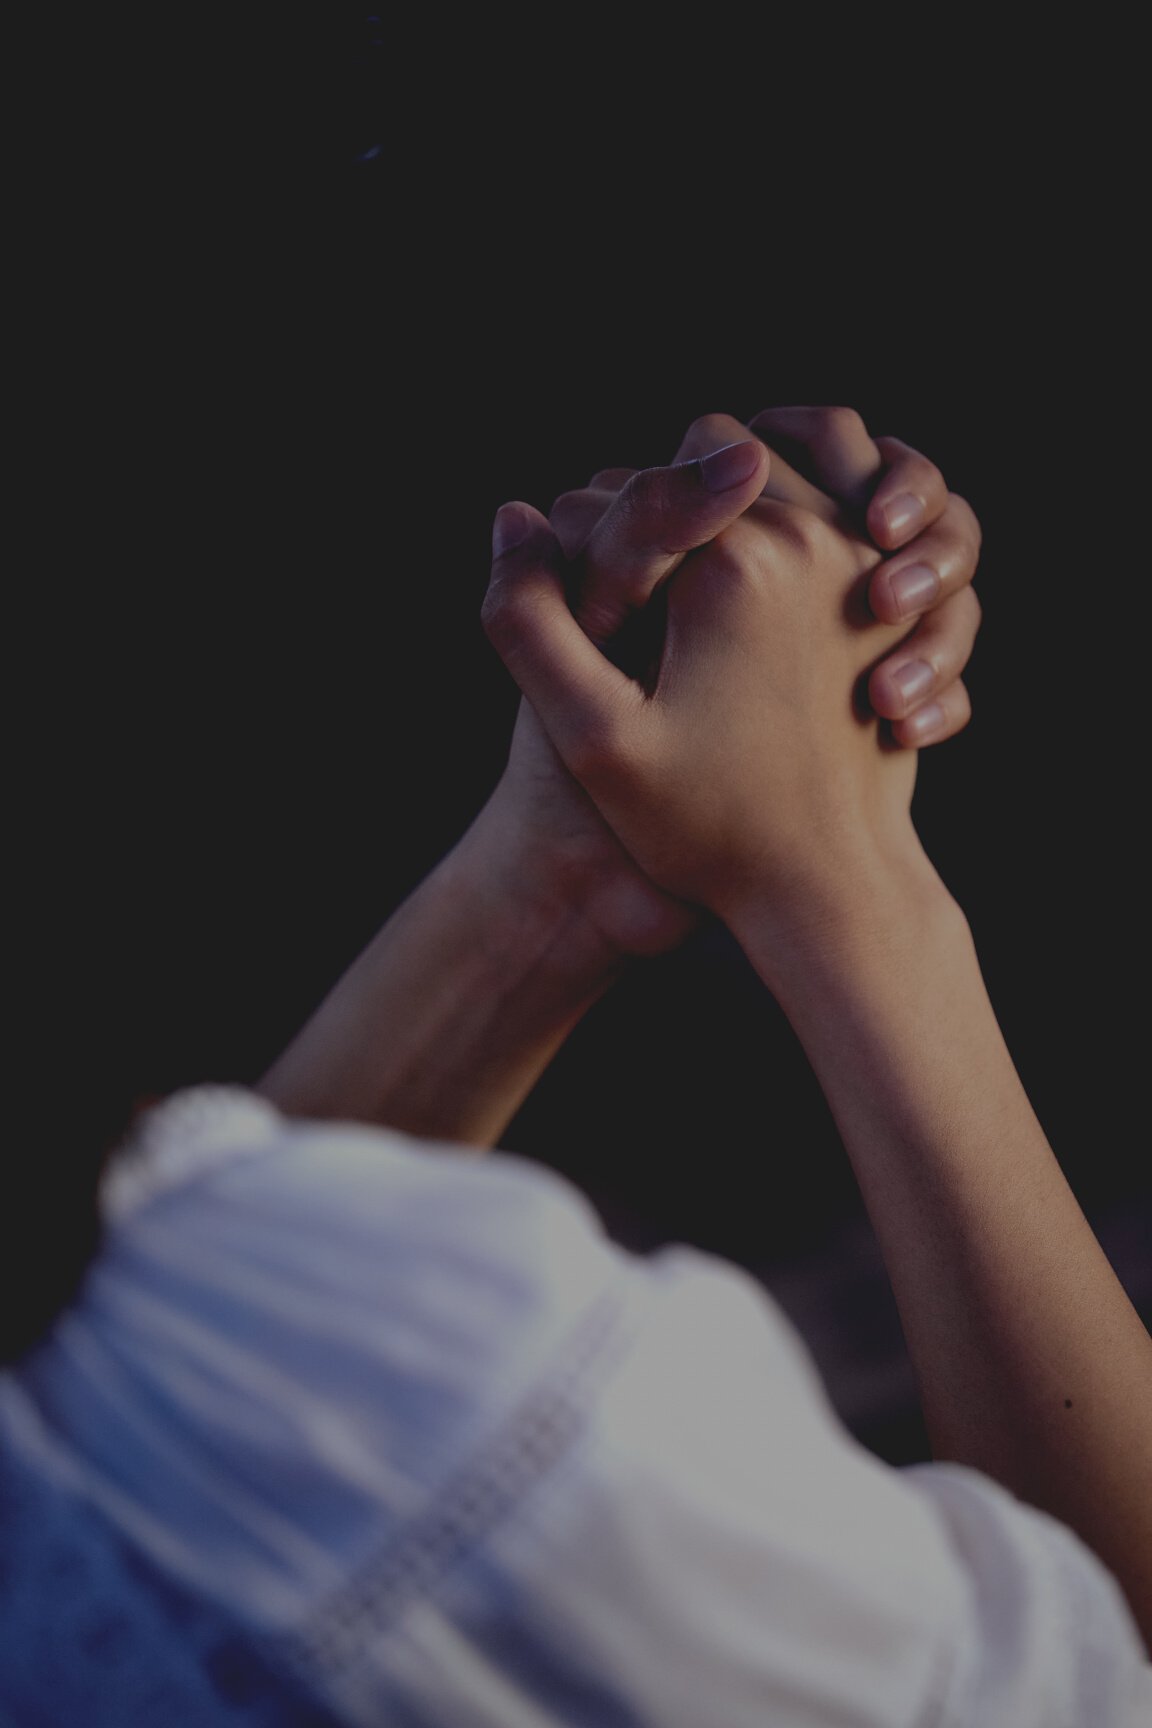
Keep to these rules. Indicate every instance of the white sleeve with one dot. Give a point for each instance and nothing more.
(460, 1462)
(295, 1334)
(1045, 1619)
(716, 1548)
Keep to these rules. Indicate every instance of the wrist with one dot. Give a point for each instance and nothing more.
(872, 909)
(572, 879)
(444, 1022)
(531, 902)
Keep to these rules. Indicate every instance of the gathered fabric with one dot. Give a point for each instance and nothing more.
(349, 1428)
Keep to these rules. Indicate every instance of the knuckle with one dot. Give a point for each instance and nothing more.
(736, 556)
(728, 554)
(884, 694)
(839, 423)
(606, 601)
(570, 502)
(913, 467)
(647, 502)
(928, 476)
(919, 470)
(968, 521)
(610, 479)
(573, 518)
(715, 429)
(629, 510)
(802, 530)
(957, 537)
(933, 649)
(892, 449)
(947, 635)
(642, 489)
(959, 706)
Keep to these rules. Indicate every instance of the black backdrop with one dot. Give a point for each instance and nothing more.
(281, 386)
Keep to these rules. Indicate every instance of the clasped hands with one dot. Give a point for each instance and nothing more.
(811, 591)
(714, 658)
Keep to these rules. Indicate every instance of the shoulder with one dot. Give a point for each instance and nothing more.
(295, 1332)
(223, 1193)
(408, 1413)
(711, 1544)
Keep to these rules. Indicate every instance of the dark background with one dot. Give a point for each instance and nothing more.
(305, 311)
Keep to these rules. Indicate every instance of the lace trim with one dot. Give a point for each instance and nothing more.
(186, 1135)
(531, 1442)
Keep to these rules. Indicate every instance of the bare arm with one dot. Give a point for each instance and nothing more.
(746, 779)
(1032, 1363)
(445, 1022)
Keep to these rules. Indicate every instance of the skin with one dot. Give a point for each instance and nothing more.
(881, 487)
(656, 760)
(741, 775)
(444, 1023)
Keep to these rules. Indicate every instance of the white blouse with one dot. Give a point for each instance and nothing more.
(404, 1424)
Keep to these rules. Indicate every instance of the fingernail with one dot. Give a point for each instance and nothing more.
(510, 529)
(915, 588)
(914, 679)
(925, 721)
(902, 513)
(730, 466)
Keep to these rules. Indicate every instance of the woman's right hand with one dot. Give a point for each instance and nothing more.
(751, 768)
(827, 460)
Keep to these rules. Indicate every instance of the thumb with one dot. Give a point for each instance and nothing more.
(580, 697)
(657, 517)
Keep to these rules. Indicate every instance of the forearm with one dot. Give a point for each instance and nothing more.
(1033, 1365)
(445, 1022)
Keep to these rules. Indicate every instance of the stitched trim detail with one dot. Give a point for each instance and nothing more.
(533, 1439)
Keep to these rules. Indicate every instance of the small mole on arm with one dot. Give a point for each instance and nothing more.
(1067, 1403)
